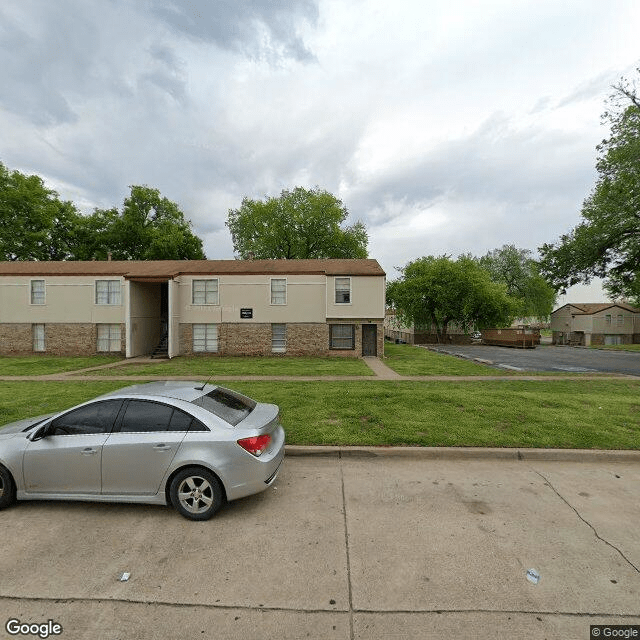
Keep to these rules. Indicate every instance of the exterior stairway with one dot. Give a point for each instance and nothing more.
(162, 349)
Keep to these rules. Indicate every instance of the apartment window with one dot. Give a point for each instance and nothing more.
(37, 292)
(38, 337)
(343, 290)
(205, 338)
(278, 338)
(205, 291)
(107, 291)
(620, 320)
(607, 319)
(342, 336)
(109, 337)
(278, 291)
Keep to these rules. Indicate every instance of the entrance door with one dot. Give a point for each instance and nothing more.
(369, 340)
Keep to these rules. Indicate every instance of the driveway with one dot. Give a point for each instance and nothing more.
(344, 546)
(548, 358)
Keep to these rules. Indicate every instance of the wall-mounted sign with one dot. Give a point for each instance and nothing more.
(246, 313)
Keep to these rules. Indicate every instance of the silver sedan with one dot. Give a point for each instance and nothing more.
(192, 446)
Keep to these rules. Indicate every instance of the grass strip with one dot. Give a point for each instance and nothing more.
(589, 414)
(45, 364)
(241, 366)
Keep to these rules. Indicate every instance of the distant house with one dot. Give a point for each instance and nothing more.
(208, 307)
(587, 324)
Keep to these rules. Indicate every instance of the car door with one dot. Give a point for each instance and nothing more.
(67, 460)
(138, 453)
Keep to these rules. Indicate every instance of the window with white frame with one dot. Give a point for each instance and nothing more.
(607, 319)
(278, 291)
(38, 337)
(205, 338)
(37, 292)
(620, 320)
(109, 337)
(342, 336)
(107, 291)
(343, 290)
(205, 291)
(278, 338)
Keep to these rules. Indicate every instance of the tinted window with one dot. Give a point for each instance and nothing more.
(180, 421)
(231, 407)
(94, 418)
(141, 416)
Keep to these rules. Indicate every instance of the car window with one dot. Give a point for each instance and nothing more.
(180, 421)
(141, 416)
(97, 417)
(228, 405)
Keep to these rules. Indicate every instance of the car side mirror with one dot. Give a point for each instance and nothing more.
(40, 432)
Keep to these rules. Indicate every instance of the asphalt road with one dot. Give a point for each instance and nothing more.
(549, 358)
(342, 547)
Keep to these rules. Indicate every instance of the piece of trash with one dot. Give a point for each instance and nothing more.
(125, 576)
(533, 576)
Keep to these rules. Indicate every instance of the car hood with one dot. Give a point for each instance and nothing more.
(21, 425)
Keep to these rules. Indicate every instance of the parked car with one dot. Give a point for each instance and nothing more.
(179, 443)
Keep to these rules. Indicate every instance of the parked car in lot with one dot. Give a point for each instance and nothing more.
(179, 443)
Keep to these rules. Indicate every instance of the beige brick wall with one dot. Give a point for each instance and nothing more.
(16, 339)
(60, 339)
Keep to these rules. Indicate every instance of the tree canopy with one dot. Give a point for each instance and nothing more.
(300, 224)
(606, 243)
(519, 272)
(36, 225)
(149, 227)
(438, 291)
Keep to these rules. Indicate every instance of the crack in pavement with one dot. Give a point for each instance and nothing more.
(346, 542)
(187, 605)
(597, 535)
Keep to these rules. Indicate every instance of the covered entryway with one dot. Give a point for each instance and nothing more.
(147, 316)
(369, 340)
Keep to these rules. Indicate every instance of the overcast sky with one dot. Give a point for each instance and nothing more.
(445, 126)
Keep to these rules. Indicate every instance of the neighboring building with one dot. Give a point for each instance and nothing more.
(226, 307)
(399, 332)
(589, 324)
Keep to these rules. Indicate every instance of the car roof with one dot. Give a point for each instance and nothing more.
(180, 390)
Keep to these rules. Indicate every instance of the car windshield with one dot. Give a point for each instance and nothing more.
(231, 407)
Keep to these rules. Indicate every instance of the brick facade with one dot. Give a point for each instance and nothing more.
(254, 339)
(60, 339)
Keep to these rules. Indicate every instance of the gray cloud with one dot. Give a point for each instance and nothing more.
(254, 27)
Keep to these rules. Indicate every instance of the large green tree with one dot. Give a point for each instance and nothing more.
(519, 272)
(301, 223)
(34, 223)
(149, 227)
(606, 243)
(438, 291)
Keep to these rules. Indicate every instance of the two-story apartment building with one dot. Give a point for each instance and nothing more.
(586, 324)
(226, 307)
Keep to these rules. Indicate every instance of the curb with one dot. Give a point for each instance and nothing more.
(468, 453)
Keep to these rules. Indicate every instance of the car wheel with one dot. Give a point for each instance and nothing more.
(196, 493)
(7, 488)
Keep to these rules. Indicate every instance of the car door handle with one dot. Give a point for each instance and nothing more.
(88, 451)
(162, 447)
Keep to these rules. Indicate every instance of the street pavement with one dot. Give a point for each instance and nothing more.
(363, 543)
(547, 358)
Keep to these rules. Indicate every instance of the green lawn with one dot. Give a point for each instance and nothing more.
(44, 364)
(620, 347)
(601, 414)
(408, 360)
(239, 366)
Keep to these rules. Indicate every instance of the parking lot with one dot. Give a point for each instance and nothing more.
(549, 358)
(346, 546)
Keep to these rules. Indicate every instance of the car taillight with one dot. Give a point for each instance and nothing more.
(256, 444)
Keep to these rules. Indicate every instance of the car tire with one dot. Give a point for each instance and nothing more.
(196, 493)
(7, 488)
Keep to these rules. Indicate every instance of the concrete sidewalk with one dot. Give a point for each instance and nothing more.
(344, 546)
